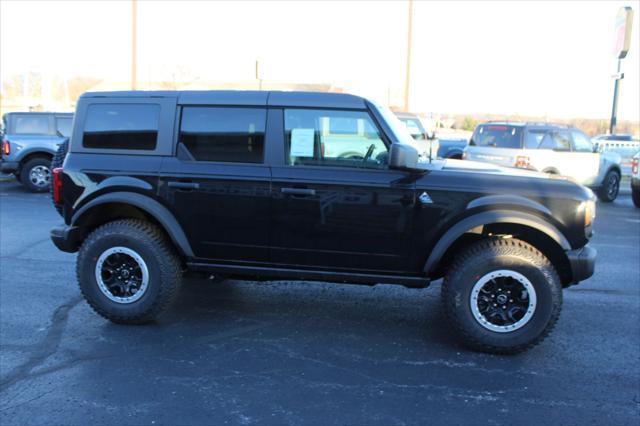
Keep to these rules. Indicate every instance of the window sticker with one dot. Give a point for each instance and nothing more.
(302, 142)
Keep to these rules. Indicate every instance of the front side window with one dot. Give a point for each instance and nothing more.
(558, 141)
(31, 124)
(333, 138)
(224, 134)
(581, 142)
(533, 138)
(121, 126)
(63, 126)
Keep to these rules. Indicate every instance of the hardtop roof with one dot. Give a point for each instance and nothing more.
(244, 97)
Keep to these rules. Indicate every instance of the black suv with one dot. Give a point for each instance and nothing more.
(309, 186)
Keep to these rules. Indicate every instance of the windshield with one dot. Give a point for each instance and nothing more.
(497, 136)
(397, 127)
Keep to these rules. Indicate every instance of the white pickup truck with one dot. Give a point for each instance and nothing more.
(547, 148)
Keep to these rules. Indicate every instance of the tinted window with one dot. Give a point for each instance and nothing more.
(581, 142)
(63, 125)
(32, 124)
(533, 138)
(311, 139)
(559, 141)
(497, 136)
(124, 126)
(224, 134)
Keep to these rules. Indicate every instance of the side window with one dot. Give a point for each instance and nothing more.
(533, 138)
(224, 134)
(581, 142)
(333, 138)
(31, 124)
(559, 141)
(63, 125)
(121, 126)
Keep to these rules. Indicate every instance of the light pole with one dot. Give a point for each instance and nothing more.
(407, 81)
(624, 21)
(134, 43)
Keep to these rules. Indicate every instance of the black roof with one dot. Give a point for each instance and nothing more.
(245, 97)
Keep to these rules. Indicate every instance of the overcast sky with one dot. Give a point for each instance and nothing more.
(532, 58)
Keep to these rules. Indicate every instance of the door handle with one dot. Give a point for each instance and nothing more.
(298, 191)
(184, 185)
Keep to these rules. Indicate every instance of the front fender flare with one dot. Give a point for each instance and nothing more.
(147, 204)
(488, 218)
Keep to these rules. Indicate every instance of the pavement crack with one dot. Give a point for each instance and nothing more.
(47, 347)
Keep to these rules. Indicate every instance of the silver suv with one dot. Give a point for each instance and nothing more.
(547, 148)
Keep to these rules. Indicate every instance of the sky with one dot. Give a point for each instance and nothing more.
(537, 58)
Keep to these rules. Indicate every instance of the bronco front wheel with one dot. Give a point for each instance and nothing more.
(502, 296)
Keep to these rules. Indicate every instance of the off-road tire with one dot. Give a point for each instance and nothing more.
(163, 263)
(484, 257)
(603, 192)
(56, 162)
(25, 172)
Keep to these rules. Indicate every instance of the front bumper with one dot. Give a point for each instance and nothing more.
(583, 263)
(66, 238)
(8, 166)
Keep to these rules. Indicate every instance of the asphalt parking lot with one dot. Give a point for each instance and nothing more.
(242, 352)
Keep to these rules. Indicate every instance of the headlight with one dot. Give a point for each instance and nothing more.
(589, 212)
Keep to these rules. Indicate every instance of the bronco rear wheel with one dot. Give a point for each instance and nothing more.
(128, 271)
(502, 296)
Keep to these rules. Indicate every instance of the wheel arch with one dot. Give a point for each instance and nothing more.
(118, 205)
(501, 224)
(31, 155)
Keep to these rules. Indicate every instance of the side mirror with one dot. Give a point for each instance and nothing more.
(403, 157)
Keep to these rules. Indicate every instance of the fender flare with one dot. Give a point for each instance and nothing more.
(489, 218)
(453, 151)
(147, 204)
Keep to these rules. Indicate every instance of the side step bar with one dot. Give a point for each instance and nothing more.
(310, 275)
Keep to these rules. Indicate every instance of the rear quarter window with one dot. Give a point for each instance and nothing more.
(121, 126)
(497, 136)
(31, 124)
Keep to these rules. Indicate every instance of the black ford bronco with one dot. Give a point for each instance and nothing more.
(309, 186)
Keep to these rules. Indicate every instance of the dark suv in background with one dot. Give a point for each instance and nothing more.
(309, 186)
(29, 142)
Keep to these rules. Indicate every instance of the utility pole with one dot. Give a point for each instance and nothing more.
(407, 81)
(134, 44)
(614, 110)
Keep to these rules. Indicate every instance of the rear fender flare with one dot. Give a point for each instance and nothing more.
(147, 204)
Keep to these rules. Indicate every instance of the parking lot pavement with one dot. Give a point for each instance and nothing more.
(281, 353)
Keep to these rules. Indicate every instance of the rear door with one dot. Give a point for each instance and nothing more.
(336, 204)
(218, 184)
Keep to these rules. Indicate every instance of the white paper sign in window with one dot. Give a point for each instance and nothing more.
(302, 142)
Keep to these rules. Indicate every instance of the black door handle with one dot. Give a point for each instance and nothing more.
(184, 185)
(298, 191)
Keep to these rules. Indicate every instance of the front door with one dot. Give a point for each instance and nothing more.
(335, 203)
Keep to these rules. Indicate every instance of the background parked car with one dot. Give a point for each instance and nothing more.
(452, 146)
(635, 179)
(548, 148)
(426, 140)
(29, 142)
